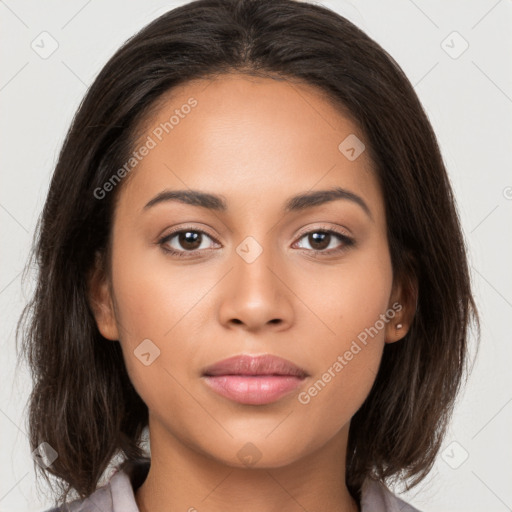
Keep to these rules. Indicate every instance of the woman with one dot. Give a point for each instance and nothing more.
(249, 246)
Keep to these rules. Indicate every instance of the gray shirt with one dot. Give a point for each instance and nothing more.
(118, 495)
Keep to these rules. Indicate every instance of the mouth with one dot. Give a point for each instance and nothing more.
(254, 380)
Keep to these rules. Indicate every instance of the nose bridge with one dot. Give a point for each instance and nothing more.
(256, 263)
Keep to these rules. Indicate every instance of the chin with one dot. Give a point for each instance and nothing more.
(259, 452)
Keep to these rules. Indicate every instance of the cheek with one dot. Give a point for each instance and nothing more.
(160, 302)
(153, 295)
(353, 314)
(344, 300)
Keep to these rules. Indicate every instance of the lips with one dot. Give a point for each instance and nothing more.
(255, 365)
(254, 380)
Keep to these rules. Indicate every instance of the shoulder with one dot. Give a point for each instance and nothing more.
(101, 499)
(115, 496)
(376, 497)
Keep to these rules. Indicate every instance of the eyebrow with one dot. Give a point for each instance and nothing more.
(296, 203)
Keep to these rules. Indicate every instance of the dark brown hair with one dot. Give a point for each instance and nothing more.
(83, 403)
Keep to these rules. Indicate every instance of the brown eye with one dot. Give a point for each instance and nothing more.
(189, 240)
(185, 242)
(319, 240)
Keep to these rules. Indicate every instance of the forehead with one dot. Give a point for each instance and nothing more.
(248, 138)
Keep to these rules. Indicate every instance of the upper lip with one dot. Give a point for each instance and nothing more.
(246, 364)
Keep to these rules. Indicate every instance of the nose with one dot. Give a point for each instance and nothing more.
(256, 294)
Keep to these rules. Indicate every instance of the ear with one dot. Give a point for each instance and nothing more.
(100, 300)
(403, 301)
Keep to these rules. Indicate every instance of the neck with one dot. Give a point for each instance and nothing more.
(181, 478)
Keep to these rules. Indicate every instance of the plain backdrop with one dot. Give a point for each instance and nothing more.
(457, 54)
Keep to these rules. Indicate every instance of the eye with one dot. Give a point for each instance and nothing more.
(185, 242)
(322, 239)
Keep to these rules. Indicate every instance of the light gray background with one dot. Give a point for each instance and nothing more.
(469, 102)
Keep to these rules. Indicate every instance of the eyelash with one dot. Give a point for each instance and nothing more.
(346, 242)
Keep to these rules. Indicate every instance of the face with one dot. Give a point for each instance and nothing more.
(250, 271)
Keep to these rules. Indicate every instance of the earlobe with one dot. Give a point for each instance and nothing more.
(100, 301)
(395, 331)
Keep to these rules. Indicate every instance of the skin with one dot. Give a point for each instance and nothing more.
(256, 142)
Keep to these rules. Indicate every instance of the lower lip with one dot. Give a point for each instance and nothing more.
(253, 390)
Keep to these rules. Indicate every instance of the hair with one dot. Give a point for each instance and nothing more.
(82, 402)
